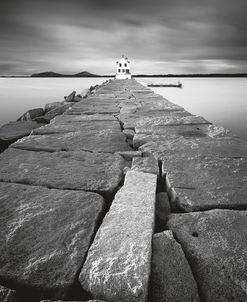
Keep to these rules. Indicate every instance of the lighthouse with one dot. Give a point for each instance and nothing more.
(123, 69)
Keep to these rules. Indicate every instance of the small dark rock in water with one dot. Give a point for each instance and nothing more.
(7, 295)
(11, 132)
(31, 114)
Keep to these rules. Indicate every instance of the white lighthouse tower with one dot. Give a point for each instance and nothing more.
(123, 69)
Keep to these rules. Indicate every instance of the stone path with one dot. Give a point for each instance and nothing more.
(124, 197)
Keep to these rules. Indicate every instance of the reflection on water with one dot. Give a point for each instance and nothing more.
(222, 101)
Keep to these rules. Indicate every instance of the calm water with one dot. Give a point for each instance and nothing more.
(221, 101)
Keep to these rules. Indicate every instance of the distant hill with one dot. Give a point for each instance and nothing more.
(85, 74)
(51, 74)
(46, 74)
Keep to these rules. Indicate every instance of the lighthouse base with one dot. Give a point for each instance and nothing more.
(123, 76)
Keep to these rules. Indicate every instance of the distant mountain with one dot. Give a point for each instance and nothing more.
(85, 74)
(48, 74)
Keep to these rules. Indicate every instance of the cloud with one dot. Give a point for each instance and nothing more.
(158, 36)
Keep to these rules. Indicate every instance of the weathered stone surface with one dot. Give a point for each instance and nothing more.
(64, 119)
(53, 105)
(90, 109)
(171, 278)
(202, 183)
(12, 131)
(132, 121)
(152, 103)
(84, 126)
(70, 97)
(215, 244)
(44, 119)
(129, 133)
(128, 109)
(105, 140)
(189, 131)
(150, 122)
(60, 110)
(73, 301)
(117, 267)
(85, 93)
(145, 164)
(45, 235)
(31, 114)
(77, 98)
(129, 155)
(7, 295)
(162, 208)
(94, 105)
(97, 172)
(168, 133)
(183, 147)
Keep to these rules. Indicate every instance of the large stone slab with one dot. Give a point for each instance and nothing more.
(93, 106)
(202, 183)
(172, 278)
(118, 263)
(45, 235)
(12, 131)
(145, 164)
(183, 147)
(7, 295)
(64, 119)
(158, 103)
(215, 243)
(96, 172)
(84, 126)
(195, 130)
(170, 120)
(105, 140)
(182, 133)
(137, 120)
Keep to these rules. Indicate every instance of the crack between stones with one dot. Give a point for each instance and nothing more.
(105, 194)
(199, 289)
(60, 150)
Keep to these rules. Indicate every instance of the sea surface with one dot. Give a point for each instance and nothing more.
(222, 101)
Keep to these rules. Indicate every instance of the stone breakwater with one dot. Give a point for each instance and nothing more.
(124, 197)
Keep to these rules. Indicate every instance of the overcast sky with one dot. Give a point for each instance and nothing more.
(158, 36)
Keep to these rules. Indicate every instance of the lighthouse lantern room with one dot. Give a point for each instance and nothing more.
(123, 69)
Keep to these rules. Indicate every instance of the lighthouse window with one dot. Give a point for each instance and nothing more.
(119, 70)
(125, 65)
(120, 65)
